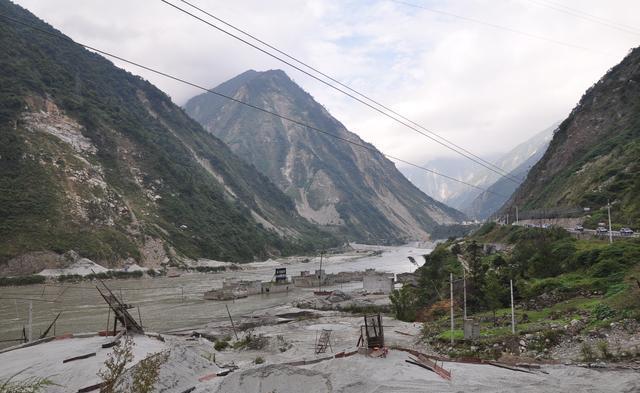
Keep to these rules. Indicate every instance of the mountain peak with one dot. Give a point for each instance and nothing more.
(357, 192)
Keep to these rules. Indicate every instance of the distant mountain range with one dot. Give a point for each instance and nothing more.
(594, 156)
(474, 202)
(97, 160)
(354, 192)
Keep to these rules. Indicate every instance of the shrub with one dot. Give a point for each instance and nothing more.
(259, 360)
(22, 280)
(146, 373)
(587, 352)
(114, 366)
(221, 345)
(603, 347)
(28, 385)
(601, 311)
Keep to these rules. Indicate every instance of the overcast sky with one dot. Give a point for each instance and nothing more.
(485, 88)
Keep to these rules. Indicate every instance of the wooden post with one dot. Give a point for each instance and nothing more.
(108, 318)
(231, 319)
(451, 297)
(513, 315)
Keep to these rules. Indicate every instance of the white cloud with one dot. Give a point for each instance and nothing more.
(484, 88)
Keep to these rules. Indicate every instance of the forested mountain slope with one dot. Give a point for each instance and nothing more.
(95, 159)
(594, 155)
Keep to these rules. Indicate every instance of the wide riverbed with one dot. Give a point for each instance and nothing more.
(174, 303)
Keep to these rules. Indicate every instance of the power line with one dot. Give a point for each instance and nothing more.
(505, 174)
(586, 16)
(283, 117)
(499, 171)
(496, 26)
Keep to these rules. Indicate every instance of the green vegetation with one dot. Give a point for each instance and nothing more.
(102, 276)
(148, 153)
(559, 281)
(26, 385)
(221, 345)
(21, 280)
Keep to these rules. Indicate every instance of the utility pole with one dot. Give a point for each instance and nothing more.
(517, 215)
(452, 324)
(30, 323)
(507, 218)
(609, 214)
(320, 273)
(464, 292)
(513, 315)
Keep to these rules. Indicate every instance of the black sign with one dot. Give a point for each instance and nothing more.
(281, 274)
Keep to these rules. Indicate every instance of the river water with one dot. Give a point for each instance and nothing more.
(174, 303)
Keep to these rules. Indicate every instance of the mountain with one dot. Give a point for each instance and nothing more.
(471, 200)
(354, 191)
(594, 155)
(97, 160)
(447, 191)
(525, 155)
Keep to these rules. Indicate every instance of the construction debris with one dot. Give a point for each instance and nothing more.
(79, 357)
(323, 341)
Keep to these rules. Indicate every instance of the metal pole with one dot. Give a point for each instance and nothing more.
(513, 315)
(451, 299)
(30, 323)
(609, 214)
(464, 291)
(231, 319)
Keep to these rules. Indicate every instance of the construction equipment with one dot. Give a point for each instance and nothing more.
(120, 310)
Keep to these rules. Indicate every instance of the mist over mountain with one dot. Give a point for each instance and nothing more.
(472, 201)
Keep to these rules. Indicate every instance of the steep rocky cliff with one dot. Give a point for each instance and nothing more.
(594, 155)
(97, 160)
(352, 190)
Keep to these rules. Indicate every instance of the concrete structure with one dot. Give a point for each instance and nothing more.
(235, 290)
(376, 282)
(275, 287)
(308, 280)
(471, 329)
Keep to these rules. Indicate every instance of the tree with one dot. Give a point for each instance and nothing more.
(493, 293)
(475, 283)
(403, 301)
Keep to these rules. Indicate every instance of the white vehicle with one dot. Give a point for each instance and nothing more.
(602, 230)
(626, 231)
(579, 228)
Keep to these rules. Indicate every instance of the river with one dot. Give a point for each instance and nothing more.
(167, 303)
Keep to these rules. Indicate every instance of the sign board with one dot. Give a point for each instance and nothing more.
(281, 274)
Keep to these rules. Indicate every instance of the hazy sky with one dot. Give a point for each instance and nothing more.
(482, 87)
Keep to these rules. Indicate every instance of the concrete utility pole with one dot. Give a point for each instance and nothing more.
(452, 324)
(464, 292)
(30, 323)
(609, 214)
(513, 315)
